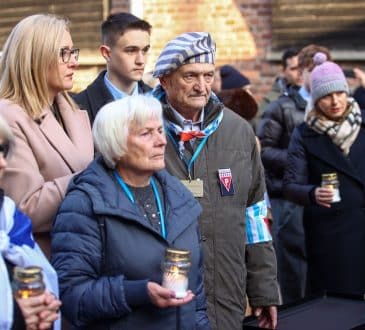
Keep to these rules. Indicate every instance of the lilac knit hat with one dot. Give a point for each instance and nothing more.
(326, 78)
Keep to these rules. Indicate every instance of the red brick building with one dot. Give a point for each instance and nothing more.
(250, 34)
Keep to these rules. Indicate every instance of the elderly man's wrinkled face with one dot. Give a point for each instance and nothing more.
(145, 149)
(333, 105)
(188, 88)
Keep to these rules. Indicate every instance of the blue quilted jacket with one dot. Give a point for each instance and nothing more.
(105, 252)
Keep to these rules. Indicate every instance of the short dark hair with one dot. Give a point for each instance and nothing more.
(117, 24)
(289, 53)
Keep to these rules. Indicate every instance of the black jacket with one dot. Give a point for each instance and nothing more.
(335, 236)
(279, 120)
(97, 95)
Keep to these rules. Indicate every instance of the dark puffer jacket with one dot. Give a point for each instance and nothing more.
(103, 282)
(97, 95)
(279, 120)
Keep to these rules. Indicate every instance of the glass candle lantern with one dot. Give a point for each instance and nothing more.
(330, 180)
(28, 282)
(176, 270)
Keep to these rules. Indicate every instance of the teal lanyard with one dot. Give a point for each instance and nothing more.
(130, 196)
(189, 163)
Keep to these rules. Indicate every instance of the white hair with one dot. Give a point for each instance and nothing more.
(113, 120)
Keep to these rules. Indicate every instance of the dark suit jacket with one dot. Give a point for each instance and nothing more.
(97, 95)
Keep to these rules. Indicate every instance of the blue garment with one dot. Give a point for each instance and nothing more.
(303, 92)
(110, 289)
(18, 248)
(116, 92)
(256, 228)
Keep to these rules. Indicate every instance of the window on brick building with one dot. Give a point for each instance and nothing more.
(85, 17)
(337, 24)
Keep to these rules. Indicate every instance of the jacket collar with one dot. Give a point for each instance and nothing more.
(99, 94)
(294, 95)
(108, 199)
(71, 143)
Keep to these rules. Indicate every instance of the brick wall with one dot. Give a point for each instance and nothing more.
(119, 6)
(261, 72)
(241, 29)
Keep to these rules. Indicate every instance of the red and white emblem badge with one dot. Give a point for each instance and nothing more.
(225, 180)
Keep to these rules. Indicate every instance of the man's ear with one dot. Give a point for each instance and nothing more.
(163, 81)
(105, 52)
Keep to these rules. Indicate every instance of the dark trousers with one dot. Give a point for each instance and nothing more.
(289, 243)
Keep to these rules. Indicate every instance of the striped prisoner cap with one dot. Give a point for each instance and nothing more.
(191, 47)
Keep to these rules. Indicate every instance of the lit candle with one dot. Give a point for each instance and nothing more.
(28, 282)
(175, 281)
(176, 269)
(330, 180)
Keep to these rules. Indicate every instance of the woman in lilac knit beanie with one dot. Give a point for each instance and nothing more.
(330, 141)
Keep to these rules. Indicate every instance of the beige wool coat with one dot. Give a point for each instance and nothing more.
(43, 161)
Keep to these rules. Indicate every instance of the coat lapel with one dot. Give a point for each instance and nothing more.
(357, 149)
(320, 146)
(75, 143)
(98, 94)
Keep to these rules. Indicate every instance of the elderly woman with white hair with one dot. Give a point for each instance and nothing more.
(117, 220)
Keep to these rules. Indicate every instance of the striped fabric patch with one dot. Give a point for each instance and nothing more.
(192, 47)
(257, 230)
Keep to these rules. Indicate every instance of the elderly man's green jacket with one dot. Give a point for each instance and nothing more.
(233, 268)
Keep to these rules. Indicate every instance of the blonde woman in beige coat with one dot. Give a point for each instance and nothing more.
(52, 137)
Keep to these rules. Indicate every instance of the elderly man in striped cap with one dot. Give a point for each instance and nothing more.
(213, 151)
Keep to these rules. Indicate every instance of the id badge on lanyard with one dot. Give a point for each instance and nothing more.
(196, 187)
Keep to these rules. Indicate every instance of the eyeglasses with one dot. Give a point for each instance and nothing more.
(4, 149)
(65, 54)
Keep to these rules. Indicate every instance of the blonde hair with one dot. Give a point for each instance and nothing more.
(113, 120)
(31, 49)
